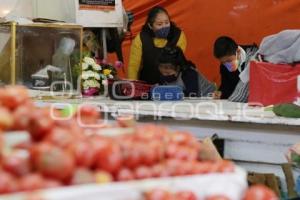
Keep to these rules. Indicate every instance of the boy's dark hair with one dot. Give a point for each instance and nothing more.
(224, 46)
(174, 56)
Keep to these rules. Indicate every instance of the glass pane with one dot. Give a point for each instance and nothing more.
(47, 56)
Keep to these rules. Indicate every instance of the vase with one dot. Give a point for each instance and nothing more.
(92, 91)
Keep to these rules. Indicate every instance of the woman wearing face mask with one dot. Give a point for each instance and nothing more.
(157, 32)
(175, 69)
(234, 68)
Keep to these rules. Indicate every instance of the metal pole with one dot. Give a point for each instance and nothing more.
(104, 43)
(13, 53)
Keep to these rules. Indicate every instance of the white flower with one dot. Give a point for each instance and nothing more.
(110, 76)
(89, 61)
(90, 83)
(96, 76)
(90, 74)
(84, 66)
(96, 67)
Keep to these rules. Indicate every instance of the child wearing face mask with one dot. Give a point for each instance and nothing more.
(158, 32)
(175, 69)
(234, 68)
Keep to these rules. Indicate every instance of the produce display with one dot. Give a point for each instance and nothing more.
(69, 151)
(258, 192)
(61, 152)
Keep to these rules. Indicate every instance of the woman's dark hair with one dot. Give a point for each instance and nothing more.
(153, 13)
(176, 57)
(224, 46)
(151, 18)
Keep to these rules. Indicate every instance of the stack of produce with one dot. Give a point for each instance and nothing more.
(61, 152)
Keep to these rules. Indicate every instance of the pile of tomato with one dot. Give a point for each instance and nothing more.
(257, 192)
(61, 151)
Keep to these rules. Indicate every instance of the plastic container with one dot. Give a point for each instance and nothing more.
(167, 93)
(128, 89)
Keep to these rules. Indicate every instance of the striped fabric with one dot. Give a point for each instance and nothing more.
(241, 93)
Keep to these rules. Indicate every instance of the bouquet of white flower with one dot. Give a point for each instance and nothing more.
(93, 76)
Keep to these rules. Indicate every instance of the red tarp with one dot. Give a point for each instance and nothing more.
(273, 84)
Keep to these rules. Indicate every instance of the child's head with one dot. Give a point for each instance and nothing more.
(227, 52)
(171, 61)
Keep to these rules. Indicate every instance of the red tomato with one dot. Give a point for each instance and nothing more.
(125, 175)
(185, 195)
(17, 162)
(83, 176)
(41, 124)
(185, 153)
(158, 148)
(126, 121)
(8, 183)
(73, 127)
(150, 132)
(260, 192)
(6, 119)
(132, 155)
(142, 172)
(49, 183)
(218, 197)
(148, 153)
(181, 138)
(22, 116)
(52, 161)
(158, 194)
(204, 167)
(31, 182)
(13, 96)
(83, 152)
(104, 147)
(225, 166)
(186, 168)
(159, 170)
(110, 158)
(1, 143)
(173, 167)
(171, 150)
(88, 115)
(60, 137)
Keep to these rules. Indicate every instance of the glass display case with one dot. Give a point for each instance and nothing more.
(41, 56)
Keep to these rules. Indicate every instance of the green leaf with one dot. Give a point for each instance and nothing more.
(295, 158)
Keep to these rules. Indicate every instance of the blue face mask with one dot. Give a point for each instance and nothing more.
(233, 65)
(228, 66)
(168, 79)
(162, 32)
